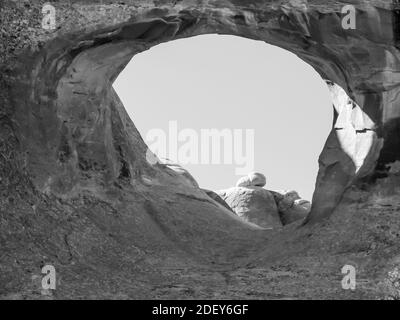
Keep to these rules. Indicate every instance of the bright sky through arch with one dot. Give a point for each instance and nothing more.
(215, 81)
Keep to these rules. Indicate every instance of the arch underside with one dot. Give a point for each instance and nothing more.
(82, 151)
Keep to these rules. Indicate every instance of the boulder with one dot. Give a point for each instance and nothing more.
(291, 207)
(288, 199)
(255, 179)
(253, 204)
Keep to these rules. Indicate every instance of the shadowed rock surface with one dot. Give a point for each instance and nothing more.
(213, 195)
(77, 192)
(290, 206)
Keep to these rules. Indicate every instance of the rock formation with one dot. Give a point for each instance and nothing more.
(213, 195)
(291, 207)
(77, 192)
(186, 177)
(250, 201)
(253, 204)
(254, 179)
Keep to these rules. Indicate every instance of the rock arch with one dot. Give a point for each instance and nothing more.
(72, 76)
(65, 132)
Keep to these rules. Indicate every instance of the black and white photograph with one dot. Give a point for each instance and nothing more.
(198, 156)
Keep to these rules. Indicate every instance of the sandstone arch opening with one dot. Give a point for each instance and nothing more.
(216, 83)
(95, 143)
(85, 74)
(77, 165)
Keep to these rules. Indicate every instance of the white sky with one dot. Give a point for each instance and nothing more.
(218, 82)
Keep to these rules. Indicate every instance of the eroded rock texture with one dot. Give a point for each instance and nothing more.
(78, 193)
(253, 204)
(291, 207)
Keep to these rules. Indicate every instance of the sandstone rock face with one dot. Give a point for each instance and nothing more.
(252, 179)
(291, 207)
(253, 204)
(288, 198)
(304, 204)
(298, 211)
(213, 195)
(183, 173)
(72, 162)
(350, 153)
